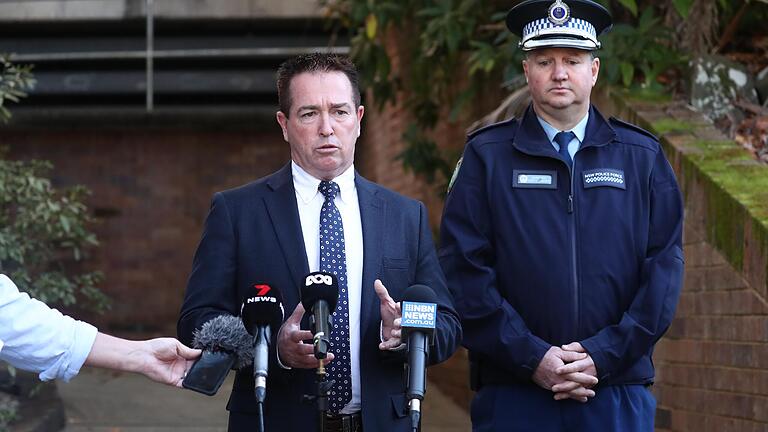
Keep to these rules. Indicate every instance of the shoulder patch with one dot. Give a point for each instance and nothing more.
(635, 128)
(491, 126)
(455, 174)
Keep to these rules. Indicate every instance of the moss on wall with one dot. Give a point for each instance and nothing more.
(734, 184)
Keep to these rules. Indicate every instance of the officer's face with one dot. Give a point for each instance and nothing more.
(561, 79)
(323, 124)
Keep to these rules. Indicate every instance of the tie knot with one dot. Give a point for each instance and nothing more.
(329, 189)
(563, 138)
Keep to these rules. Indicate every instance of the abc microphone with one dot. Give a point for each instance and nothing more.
(419, 316)
(261, 313)
(319, 295)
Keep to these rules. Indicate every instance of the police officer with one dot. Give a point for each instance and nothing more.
(561, 238)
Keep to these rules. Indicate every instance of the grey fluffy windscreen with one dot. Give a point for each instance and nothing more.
(226, 333)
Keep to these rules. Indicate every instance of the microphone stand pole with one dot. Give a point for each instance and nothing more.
(260, 407)
(321, 394)
(320, 344)
(260, 375)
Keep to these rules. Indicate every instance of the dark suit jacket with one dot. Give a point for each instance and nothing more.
(253, 235)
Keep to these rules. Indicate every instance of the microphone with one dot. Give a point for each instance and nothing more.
(261, 313)
(419, 316)
(320, 295)
(225, 345)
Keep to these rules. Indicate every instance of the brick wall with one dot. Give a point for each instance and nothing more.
(152, 189)
(711, 365)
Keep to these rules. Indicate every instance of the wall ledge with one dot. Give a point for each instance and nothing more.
(724, 187)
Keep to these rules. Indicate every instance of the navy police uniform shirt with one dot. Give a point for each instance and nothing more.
(539, 255)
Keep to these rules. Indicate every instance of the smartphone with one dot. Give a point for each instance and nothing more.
(209, 371)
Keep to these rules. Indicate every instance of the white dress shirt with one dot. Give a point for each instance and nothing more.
(37, 338)
(309, 201)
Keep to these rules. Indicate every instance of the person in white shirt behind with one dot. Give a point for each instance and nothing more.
(36, 338)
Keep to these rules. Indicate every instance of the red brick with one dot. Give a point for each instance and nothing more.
(737, 329)
(732, 354)
(157, 186)
(723, 404)
(686, 421)
(736, 302)
(744, 381)
(711, 278)
(702, 255)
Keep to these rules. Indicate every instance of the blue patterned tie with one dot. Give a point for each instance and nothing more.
(333, 260)
(562, 139)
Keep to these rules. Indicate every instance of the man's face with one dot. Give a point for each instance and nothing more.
(323, 124)
(561, 78)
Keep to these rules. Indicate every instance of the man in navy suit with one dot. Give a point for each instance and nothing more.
(271, 231)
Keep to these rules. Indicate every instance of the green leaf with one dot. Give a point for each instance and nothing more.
(371, 25)
(627, 73)
(683, 7)
(64, 223)
(631, 5)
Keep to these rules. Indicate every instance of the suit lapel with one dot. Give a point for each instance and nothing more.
(372, 210)
(284, 215)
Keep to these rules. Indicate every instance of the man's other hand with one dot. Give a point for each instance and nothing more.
(291, 349)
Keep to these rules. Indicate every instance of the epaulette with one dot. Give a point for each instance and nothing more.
(476, 132)
(633, 127)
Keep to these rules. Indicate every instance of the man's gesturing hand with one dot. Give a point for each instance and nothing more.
(390, 318)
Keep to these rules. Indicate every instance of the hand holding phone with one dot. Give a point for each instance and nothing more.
(208, 373)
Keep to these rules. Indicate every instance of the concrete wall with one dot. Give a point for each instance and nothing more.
(33, 10)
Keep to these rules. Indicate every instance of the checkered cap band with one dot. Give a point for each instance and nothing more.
(574, 27)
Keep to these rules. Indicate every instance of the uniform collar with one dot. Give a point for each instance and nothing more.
(530, 135)
(579, 130)
(306, 185)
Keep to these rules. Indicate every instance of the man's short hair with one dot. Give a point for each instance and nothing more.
(314, 63)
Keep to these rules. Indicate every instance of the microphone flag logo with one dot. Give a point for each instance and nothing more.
(263, 289)
(419, 315)
(318, 278)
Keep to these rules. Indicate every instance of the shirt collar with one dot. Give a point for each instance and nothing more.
(306, 184)
(580, 130)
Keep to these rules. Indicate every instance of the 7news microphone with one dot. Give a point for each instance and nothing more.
(262, 314)
(419, 316)
(319, 295)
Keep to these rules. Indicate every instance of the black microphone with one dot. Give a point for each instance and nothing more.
(319, 295)
(262, 313)
(419, 317)
(225, 345)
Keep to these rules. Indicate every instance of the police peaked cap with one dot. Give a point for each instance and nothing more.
(559, 23)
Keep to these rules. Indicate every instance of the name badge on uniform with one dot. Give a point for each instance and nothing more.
(604, 177)
(530, 179)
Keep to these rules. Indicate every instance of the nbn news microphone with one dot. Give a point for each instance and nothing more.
(262, 314)
(419, 317)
